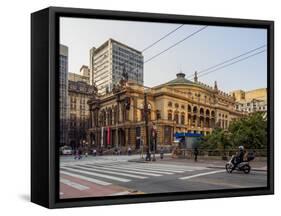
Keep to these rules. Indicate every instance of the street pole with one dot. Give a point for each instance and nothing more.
(146, 125)
(154, 141)
(117, 122)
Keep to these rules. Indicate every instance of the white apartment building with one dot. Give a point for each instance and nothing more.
(110, 60)
(251, 101)
(253, 105)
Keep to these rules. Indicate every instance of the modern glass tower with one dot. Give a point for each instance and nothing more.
(64, 111)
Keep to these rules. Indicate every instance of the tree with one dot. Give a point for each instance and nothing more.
(251, 132)
(218, 140)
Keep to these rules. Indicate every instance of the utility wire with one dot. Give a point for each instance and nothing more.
(154, 43)
(231, 59)
(151, 45)
(208, 72)
(194, 33)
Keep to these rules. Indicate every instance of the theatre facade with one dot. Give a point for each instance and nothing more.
(117, 119)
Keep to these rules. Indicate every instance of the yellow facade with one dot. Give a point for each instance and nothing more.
(177, 106)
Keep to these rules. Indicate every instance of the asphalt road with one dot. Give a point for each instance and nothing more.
(125, 177)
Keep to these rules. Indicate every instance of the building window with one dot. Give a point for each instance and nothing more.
(158, 115)
(201, 111)
(189, 108)
(170, 104)
(176, 117)
(182, 118)
(170, 115)
(195, 109)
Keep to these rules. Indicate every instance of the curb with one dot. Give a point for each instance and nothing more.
(138, 161)
(253, 169)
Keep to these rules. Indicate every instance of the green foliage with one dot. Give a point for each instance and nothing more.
(217, 140)
(250, 131)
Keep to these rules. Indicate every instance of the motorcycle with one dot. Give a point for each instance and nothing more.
(242, 166)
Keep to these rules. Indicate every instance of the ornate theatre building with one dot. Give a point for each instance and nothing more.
(117, 119)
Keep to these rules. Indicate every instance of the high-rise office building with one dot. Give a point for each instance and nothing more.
(109, 61)
(64, 112)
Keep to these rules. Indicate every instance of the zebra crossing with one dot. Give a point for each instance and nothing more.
(113, 172)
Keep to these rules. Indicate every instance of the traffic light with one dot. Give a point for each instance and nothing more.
(127, 103)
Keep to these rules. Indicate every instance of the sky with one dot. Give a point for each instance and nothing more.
(209, 47)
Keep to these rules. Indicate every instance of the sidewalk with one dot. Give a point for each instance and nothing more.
(201, 162)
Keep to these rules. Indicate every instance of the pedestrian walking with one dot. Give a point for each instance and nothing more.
(129, 150)
(148, 155)
(95, 152)
(161, 153)
(77, 155)
(195, 154)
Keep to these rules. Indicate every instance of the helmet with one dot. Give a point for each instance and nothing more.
(241, 147)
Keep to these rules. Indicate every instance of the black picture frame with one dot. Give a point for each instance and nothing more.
(44, 106)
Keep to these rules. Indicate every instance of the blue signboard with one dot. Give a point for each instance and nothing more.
(188, 140)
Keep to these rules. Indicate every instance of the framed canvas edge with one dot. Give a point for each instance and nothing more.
(55, 12)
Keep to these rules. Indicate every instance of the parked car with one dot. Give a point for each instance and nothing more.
(66, 150)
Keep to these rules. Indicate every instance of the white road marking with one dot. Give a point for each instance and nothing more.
(172, 167)
(73, 184)
(111, 172)
(179, 167)
(201, 174)
(96, 181)
(99, 175)
(159, 168)
(143, 170)
(126, 171)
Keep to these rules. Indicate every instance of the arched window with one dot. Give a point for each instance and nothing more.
(207, 123)
(176, 105)
(201, 111)
(188, 108)
(213, 114)
(207, 112)
(182, 118)
(170, 116)
(195, 109)
(189, 119)
(170, 104)
(176, 117)
(193, 120)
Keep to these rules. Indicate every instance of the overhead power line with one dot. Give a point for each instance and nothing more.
(219, 68)
(151, 45)
(175, 44)
(154, 43)
(231, 59)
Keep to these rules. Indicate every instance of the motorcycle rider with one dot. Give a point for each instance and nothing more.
(238, 158)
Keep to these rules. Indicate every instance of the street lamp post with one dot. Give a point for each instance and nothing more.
(154, 137)
(145, 108)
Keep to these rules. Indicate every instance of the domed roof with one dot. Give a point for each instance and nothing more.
(180, 80)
